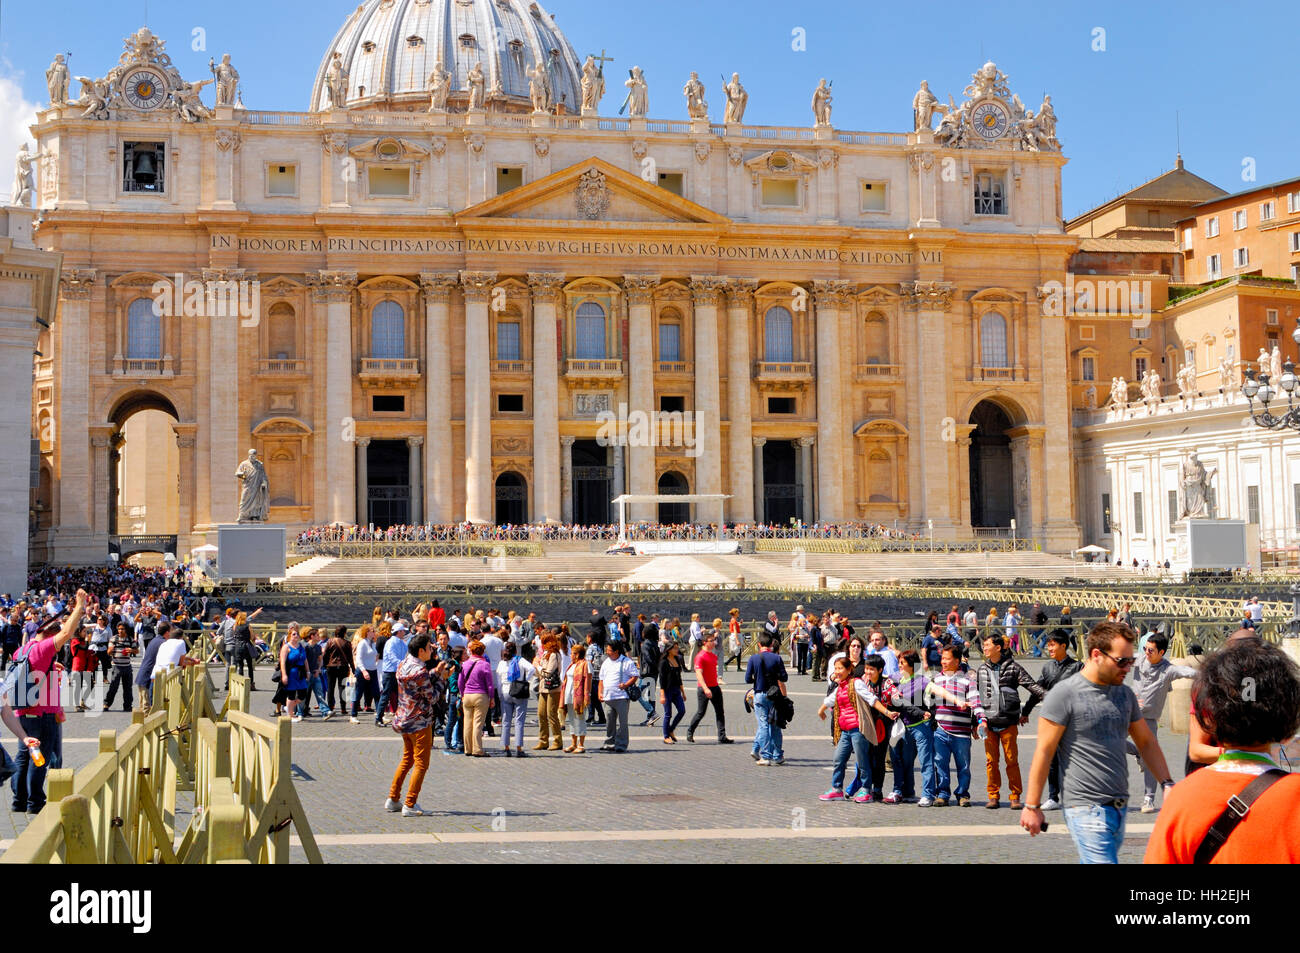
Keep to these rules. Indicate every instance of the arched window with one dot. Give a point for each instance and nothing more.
(143, 331)
(281, 337)
(876, 339)
(388, 330)
(993, 340)
(589, 338)
(778, 335)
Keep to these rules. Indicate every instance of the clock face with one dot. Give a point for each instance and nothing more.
(990, 119)
(144, 89)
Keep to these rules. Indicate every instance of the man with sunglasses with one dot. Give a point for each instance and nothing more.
(1153, 675)
(1089, 716)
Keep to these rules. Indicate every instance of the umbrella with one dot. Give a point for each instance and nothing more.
(1094, 548)
(209, 548)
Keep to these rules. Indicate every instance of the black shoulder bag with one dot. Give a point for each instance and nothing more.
(1234, 814)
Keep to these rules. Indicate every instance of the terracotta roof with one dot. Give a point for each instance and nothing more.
(1127, 245)
(1176, 187)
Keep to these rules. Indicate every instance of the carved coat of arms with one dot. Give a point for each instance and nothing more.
(592, 196)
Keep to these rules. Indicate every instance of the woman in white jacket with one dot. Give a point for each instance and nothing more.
(365, 661)
(513, 668)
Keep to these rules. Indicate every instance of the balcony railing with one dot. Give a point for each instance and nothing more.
(588, 367)
(282, 366)
(783, 370)
(979, 373)
(512, 367)
(674, 367)
(390, 366)
(143, 367)
(867, 372)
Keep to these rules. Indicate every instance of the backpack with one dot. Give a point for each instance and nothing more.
(518, 687)
(23, 687)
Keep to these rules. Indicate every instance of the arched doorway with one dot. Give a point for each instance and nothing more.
(782, 491)
(992, 494)
(144, 468)
(671, 513)
(512, 499)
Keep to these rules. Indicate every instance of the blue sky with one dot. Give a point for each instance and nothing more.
(1223, 68)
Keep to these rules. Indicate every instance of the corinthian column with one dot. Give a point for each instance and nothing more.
(706, 291)
(831, 434)
(363, 481)
(566, 476)
(640, 387)
(334, 290)
(72, 434)
(413, 444)
(224, 435)
(438, 454)
(479, 501)
(930, 301)
(740, 478)
(546, 398)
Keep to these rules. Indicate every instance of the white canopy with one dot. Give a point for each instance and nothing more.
(627, 498)
(1094, 548)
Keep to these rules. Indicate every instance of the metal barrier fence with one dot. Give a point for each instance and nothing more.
(411, 549)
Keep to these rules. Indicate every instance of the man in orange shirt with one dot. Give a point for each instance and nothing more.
(1248, 698)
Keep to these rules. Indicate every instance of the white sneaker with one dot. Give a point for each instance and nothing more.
(391, 806)
(414, 811)
(763, 761)
(1148, 805)
(327, 716)
(1051, 804)
(925, 802)
(297, 718)
(354, 721)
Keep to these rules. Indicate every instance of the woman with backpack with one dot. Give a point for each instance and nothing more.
(514, 674)
(337, 660)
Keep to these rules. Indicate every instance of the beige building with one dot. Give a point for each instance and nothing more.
(424, 299)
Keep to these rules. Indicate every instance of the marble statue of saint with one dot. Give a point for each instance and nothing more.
(227, 81)
(1090, 397)
(254, 494)
(638, 94)
(1045, 124)
(56, 80)
(93, 98)
(1185, 377)
(1118, 392)
(477, 87)
(1227, 381)
(1275, 366)
(24, 179)
(737, 99)
(439, 87)
(696, 107)
(593, 85)
(539, 88)
(1264, 360)
(821, 104)
(336, 83)
(188, 103)
(924, 106)
(952, 127)
(1196, 487)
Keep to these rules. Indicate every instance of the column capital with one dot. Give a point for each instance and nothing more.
(77, 283)
(437, 286)
(545, 285)
(414, 442)
(477, 285)
(740, 292)
(334, 142)
(640, 288)
(834, 295)
(223, 274)
(332, 285)
(706, 289)
(567, 440)
(100, 440)
(228, 140)
(807, 441)
(927, 295)
(760, 442)
(186, 435)
(362, 442)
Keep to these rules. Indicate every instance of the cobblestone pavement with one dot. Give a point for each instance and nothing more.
(654, 803)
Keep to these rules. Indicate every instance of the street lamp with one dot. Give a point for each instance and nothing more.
(1260, 385)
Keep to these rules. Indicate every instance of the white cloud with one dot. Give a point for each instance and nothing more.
(17, 113)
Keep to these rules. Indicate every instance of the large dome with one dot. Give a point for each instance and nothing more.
(389, 48)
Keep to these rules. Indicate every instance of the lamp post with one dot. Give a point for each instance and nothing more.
(1259, 384)
(1013, 534)
(931, 522)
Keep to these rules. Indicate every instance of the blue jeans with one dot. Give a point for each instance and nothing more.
(28, 784)
(388, 693)
(673, 700)
(917, 745)
(768, 736)
(317, 686)
(959, 748)
(647, 698)
(451, 737)
(513, 711)
(856, 741)
(1098, 832)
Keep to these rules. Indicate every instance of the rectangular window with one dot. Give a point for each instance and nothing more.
(1266, 212)
(784, 192)
(1139, 334)
(1105, 514)
(1212, 226)
(1293, 202)
(509, 178)
(508, 341)
(1252, 505)
(671, 181)
(1240, 257)
(388, 403)
(1238, 220)
(1295, 241)
(1138, 528)
(1089, 369)
(282, 180)
(590, 335)
(1212, 267)
(510, 403)
(990, 194)
(670, 342)
(1295, 272)
(143, 167)
(1187, 239)
(1139, 367)
(1172, 496)
(390, 181)
(780, 405)
(672, 404)
(875, 196)
(1270, 316)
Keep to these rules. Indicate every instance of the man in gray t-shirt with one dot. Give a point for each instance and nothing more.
(1088, 717)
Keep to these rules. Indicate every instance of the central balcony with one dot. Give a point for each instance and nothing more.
(389, 368)
(783, 375)
(592, 372)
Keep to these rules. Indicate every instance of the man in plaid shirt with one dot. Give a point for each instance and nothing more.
(957, 708)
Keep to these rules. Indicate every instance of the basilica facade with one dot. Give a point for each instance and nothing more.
(459, 288)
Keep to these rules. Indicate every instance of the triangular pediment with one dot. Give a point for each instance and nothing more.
(593, 191)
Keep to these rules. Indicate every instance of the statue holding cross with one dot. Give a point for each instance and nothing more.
(593, 82)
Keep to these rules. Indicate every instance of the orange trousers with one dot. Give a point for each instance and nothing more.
(1006, 740)
(416, 748)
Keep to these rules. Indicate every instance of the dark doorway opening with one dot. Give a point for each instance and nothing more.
(991, 500)
(782, 491)
(512, 499)
(388, 481)
(670, 513)
(592, 479)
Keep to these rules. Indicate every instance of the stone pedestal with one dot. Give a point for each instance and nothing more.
(823, 133)
(437, 117)
(636, 124)
(589, 120)
(700, 126)
(476, 117)
(542, 120)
